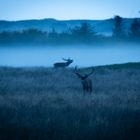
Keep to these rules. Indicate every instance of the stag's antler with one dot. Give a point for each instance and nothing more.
(83, 76)
(65, 59)
(77, 73)
(92, 70)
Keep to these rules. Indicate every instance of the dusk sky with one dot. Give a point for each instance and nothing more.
(68, 9)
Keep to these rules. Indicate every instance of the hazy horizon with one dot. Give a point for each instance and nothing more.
(47, 18)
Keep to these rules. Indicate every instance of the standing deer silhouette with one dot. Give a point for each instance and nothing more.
(85, 80)
(63, 64)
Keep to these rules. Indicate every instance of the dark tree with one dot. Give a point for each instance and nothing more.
(83, 33)
(135, 28)
(53, 34)
(33, 36)
(118, 31)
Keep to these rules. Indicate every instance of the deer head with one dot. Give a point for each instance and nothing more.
(68, 60)
(85, 80)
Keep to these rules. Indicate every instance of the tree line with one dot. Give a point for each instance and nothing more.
(120, 32)
(81, 34)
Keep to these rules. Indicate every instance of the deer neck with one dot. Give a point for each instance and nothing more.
(67, 63)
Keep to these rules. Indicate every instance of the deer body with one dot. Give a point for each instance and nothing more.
(87, 85)
(63, 64)
(85, 80)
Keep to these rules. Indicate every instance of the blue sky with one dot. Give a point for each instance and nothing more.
(67, 9)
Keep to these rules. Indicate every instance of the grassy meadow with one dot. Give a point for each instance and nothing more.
(39, 103)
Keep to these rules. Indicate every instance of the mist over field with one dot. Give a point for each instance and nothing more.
(83, 56)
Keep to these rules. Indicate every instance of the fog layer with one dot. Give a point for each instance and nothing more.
(84, 56)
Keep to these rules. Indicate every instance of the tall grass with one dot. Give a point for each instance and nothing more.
(48, 104)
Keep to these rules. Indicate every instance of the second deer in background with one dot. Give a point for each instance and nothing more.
(63, 64)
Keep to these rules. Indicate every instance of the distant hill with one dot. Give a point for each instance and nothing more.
(100, 26)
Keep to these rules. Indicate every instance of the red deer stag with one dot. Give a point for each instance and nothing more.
(63, 64)
(86, 81)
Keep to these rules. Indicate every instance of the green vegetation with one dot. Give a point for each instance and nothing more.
(48, 104)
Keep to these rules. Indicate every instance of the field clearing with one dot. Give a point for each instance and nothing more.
(38, 103)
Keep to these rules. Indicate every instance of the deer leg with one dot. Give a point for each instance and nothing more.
(90, 87)
(83, 91)
(83, 86)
